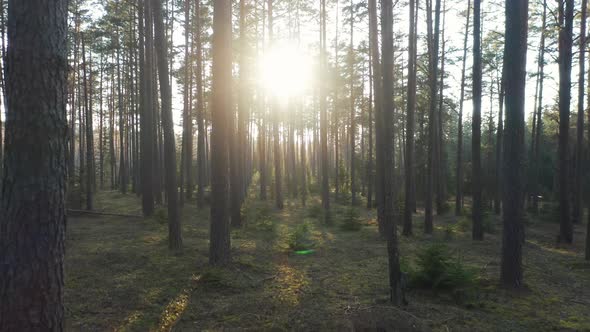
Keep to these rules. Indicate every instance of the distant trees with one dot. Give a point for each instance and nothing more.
(513, 161)
(32, 203)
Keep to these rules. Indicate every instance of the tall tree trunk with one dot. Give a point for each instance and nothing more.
(566, 18)
(499, 142)
(147, 112)
(275, 124)
(370, 177)
(432, 79)
(459, 193)
(241, 141)
(379, 170)
(514, 151)
(324, 117)
(89, 133)
(187, 120)
(440, 156)
(219, 245)
(477, 213)
(101, 125)
(335, 126)
(174, 228)
(411, 108)
(352, 110)
(539, 112)
(120, 106)
(201, 161)
(395, 286)
(32, 206)
(578, 207)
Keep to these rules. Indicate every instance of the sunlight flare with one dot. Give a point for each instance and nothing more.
(285, 71)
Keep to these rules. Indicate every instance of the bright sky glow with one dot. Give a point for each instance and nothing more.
(285, 71)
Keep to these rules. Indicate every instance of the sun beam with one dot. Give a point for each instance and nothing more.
(285, 71)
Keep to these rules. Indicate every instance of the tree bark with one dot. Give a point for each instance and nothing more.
(32, 204)
(219, 245)
(324, 117)
(352, 109)
(379, 171)
(514, 151)
(395, 286)
(174, 227)
(201, 161)
(578, 207)
(566, 18)
(411, 108)
(459, 193)
(477, 213)
(146, 120)
(89, 133)
(432, 80)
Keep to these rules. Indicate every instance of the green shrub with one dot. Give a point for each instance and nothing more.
(466, 211)
(161, 215)
(450, 230)
(351, 221)
(300, 237)
(264, 225)
(488, 222)
(438, 271)
(463, 224)
(315, 211)
(549, 212)
(444, 208)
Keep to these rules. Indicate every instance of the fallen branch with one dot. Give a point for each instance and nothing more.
(96, 213)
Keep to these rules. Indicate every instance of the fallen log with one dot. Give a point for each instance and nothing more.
(96, 213)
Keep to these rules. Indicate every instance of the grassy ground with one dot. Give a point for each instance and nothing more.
(121, 276)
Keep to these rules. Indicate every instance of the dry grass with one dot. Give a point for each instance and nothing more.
(121, 276)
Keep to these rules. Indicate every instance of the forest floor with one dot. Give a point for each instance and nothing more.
(120, 275)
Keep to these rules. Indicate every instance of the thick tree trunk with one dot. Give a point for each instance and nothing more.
(146, 120)
(324, 117)
(201, 161)
(370, 177)
(566, 18)
(477, 213)
(174, 228)
(379, 171)
(539, 112)
(578, 207)
(440, 154)
(89, 133)
(187, 116)
(499, 142)
(432, 80)
(411, 108)
(219, 245)
(459, 193)
(395, 286)
(352, 109)
(33, 222)
(514, 151)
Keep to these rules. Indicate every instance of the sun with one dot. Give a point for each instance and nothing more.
(285, 71)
